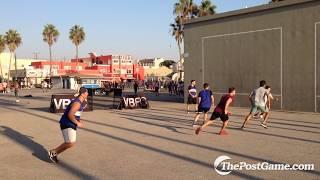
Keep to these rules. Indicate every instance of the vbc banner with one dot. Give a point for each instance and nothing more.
(134, 102)
(60, 102)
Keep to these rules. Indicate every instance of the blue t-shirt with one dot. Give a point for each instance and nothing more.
(205, 96)
(65, 122)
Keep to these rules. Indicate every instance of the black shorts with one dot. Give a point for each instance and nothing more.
(203, 110)
(223, 117)
(192, 100)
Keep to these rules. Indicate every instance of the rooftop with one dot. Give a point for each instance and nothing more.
(251, 10)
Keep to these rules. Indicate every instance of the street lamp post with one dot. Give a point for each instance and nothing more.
(16, 79)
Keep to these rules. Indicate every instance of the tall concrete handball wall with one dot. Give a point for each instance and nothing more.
(279, 43)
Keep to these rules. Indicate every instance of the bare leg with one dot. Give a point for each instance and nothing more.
(202, 127)
(266, 118)
(188, 108)
(205, 118)
(248, 117)
(196, 107)
(63, 147)
(225, 123)
(196, 118)
(206, 124)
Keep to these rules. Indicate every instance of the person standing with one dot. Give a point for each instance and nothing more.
(16, 90)
(170, 87)
(192, 96)
(5, 86)
(221, 111)
(69, 122)
(157, 87)
(135, 87)
(257, 98)
(206, 100)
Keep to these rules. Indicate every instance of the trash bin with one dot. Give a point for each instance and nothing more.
(117, 92)
(91, 91)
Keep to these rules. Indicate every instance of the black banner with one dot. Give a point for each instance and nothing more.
(134, 102)
(60, 102)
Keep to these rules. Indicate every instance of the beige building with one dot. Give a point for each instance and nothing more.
(153, 70)
(22, 63)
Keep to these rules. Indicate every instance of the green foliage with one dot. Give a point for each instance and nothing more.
(50, 34)
(13, 39)
(167, 63)
(77, 35)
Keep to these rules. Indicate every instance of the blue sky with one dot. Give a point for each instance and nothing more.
(139, 28)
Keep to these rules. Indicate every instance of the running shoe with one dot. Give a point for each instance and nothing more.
(194, 124)
(223, 133)
(263, 125)
(198, 130)
(53, 156)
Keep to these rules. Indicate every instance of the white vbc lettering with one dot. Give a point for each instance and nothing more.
(133, 102)
(62, 102)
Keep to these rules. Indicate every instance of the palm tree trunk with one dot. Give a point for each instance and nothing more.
(77, 57)
(15, 68)
(1, 68)
(180, 61)
(50, 69)
(9, 68)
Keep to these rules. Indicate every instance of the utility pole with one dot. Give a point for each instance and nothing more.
(35, 55)
(16, 79)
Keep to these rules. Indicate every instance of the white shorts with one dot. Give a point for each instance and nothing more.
(69, 135)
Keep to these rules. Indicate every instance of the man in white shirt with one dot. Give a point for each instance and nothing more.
(257, 98)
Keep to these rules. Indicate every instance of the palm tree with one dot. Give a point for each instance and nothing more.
(186, 9)
(206, 8)
(77, 36)
(2, 48)
(13, 41)
(178, 34)
(50, 35)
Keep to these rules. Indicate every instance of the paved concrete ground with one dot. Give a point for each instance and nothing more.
(158, 143)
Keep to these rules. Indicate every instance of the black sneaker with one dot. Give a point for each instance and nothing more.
(53, 156)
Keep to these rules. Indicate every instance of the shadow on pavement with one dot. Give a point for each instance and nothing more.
(168, 153)
(40, 152)
(36, 148)
(160, 151)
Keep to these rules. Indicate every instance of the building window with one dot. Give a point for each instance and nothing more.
(116, 61)
(67, 67)
(129, 71)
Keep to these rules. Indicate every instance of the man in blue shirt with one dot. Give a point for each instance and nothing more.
(69, 122)
(206, 100)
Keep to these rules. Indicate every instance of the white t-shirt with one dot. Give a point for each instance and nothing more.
(259, 96)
